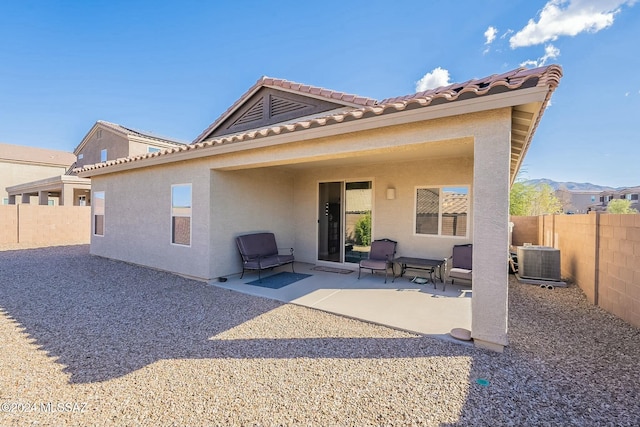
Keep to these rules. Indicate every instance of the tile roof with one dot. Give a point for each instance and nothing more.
(24, 154)
(548, 77)
(134, 132)
(264, 81)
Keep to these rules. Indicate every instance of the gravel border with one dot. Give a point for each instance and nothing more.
(92, 341)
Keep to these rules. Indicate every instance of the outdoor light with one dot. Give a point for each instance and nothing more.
(391, 193)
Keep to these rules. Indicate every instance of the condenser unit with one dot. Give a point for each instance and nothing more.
(539, 262)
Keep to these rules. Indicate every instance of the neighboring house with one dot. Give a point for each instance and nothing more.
(284, 153)
(604, 197)
(20, 164)
(104, 141)
(109, 141)
(577, 201)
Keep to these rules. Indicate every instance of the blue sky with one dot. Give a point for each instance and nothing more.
(173, 67)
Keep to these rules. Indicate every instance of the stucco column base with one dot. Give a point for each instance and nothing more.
(487, 345)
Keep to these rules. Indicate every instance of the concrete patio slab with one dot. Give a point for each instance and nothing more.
(401, 304)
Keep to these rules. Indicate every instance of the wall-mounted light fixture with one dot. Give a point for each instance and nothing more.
(391, 193)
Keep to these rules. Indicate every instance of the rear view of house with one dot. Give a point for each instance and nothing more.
(431, 170)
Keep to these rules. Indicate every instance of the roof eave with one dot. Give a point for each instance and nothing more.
(383, 119)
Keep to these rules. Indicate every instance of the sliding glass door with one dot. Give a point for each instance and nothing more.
(344, 221)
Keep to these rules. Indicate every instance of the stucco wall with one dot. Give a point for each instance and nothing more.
(117, 146)
(393, 219)
(138, 218)
(18, 173)
(248, 201)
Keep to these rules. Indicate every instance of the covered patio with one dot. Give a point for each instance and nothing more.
(400, 304)
(63, 190)
(286, 158)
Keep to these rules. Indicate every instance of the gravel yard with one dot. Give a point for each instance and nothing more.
(90, 341)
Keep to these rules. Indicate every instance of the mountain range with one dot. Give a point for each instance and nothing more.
(571, 186)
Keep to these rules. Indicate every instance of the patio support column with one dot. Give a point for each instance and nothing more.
(43, 198)
(66, 195)
(492, 152)
(12, 199)
(26, 198)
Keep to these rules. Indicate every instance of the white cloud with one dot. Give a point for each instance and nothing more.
(568, 18)
(550, 52)
(507, 33)
(436, 78)
(490, 35)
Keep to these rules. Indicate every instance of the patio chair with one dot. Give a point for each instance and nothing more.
(380, 256)
(459, 264)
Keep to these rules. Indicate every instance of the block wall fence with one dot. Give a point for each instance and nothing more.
(600, 252)
(45, 225)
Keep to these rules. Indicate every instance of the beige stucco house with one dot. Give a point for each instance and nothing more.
(20, 164)
(282, 158)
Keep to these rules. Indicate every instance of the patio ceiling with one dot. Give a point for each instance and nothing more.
(457, 148)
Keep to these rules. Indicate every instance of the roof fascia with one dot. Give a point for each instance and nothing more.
(491, 102)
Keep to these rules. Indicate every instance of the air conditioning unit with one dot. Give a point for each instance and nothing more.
(539, 262)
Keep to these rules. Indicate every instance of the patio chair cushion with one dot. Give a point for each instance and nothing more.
(462, 257)
(374, 264)
(460, 273)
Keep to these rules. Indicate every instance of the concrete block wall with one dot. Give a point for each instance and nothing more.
(599, 252)
(45, 225)
(619, 272)
(525, 230)
(8, 224)
(576, 237)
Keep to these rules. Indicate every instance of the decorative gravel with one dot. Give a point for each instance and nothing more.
(89, 341)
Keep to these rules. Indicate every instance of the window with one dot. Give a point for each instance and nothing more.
(442, 211)
(181, 214)
(152, 149)
(99, 134)
(98, 213)
(80, 156)
(103, 155)
(593, 198)
(5, 201)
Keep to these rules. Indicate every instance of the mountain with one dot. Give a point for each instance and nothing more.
(571, 186)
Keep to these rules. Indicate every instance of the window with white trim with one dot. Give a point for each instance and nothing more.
(103, 155)
(98, 213)
(181, 214)
(442, 211)
(152, 149)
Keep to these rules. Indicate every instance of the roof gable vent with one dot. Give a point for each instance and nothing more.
(280, 106)
(253, 114)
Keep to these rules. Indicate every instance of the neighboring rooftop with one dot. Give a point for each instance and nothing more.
(42, 156)
(145, 134)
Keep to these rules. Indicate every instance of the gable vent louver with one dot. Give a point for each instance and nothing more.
(253, 114)
(282, 106)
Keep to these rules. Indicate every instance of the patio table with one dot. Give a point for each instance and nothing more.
(423, 264)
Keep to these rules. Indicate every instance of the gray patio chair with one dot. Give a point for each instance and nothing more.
(380, 256)
(459, 264)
